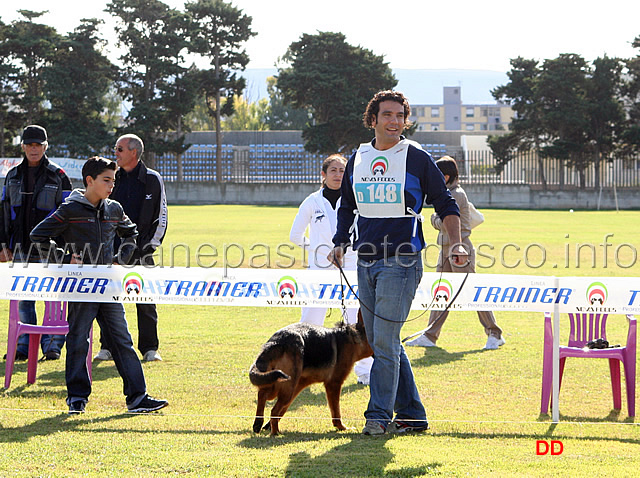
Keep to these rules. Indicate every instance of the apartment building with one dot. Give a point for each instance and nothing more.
(453, 115)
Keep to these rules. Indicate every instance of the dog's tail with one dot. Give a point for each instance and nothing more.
(259, 374)
(259, 378)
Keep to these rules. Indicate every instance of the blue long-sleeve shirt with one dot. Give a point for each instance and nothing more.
(386, 237)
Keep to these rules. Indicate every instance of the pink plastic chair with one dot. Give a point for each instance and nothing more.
(54, 322)
(585, 328)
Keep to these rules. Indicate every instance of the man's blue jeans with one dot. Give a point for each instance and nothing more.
(386, 288)
(114, 325)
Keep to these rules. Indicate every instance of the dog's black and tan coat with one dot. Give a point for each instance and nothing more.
(302, 354)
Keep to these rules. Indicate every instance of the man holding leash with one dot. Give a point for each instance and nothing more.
(384, 187)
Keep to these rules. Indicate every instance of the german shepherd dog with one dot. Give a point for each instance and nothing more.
(299, 355)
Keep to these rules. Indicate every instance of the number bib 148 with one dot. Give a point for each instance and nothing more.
(378, 193)
(379, 180)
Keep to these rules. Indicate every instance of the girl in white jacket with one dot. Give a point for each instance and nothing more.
(319, 212)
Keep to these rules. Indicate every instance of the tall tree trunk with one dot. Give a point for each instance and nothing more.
(151, 160)
(541, 175)
(596, 169)
(218, 133)
(180, 172)
(1, 135)
(218, 140)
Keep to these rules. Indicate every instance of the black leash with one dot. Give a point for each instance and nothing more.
(343, 275)
(342, 294)
(444, 311)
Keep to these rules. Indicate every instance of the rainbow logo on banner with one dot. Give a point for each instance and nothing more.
(597, 293)
(441, 290)
(379, 166)
(133, 282)
(287, 287)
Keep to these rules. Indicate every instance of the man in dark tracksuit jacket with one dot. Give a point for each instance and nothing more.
(140, 190)
(32, 191)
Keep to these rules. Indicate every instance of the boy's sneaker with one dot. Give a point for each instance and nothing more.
(421, 341)
(104, 354)
(77, 407)
(151, 356)
(373, 427)
(493, 343)
(148, 404)
(404, 427)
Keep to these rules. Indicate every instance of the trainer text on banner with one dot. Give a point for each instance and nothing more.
(310, 288)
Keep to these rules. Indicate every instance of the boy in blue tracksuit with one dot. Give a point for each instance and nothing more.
(88, 222)
(384, 187)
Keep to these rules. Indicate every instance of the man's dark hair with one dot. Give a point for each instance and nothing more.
(447, 165)
(373, 108)
(95, 166)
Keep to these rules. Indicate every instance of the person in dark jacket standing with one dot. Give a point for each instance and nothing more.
(140, 190)
(32, 191)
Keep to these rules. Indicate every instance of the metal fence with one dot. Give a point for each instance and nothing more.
(529, 168)
(290, 163)
(260, 163)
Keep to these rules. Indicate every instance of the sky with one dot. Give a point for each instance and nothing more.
(416, 34)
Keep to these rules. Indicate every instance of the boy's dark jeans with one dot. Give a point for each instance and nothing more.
(113, 324)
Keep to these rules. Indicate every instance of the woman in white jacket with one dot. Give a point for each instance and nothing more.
(318, 212)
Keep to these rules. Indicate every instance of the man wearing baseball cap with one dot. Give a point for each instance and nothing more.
(32, 190)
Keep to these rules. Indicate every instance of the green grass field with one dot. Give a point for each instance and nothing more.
(483, 406)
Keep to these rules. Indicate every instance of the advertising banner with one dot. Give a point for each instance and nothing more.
(73, 167)
(311, 288)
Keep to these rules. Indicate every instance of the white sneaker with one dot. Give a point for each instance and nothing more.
(421, 341)
(151, 356)
(364, 379)
(373, 427)
(104, 354)
(493, 343)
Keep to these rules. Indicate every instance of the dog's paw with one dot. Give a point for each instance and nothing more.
(257, 425)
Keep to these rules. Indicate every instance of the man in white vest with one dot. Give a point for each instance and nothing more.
(385, 184)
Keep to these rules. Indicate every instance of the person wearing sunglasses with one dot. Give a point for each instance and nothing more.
(141, 192)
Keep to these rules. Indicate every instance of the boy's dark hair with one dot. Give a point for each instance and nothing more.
(373, 108)
(95, 166)
(448, 166)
